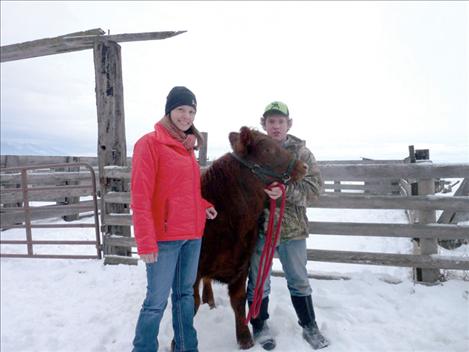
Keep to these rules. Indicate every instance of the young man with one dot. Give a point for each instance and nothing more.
(291, 248)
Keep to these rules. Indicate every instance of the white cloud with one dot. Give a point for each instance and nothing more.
(363, 73)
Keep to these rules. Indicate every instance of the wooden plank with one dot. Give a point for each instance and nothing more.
(358, 229)
(119, 259)
(115, 171)
(375, 172)
(357, 201)
(30, 160)
(336, 171)
(48, 256)
(120, 38)
(117, 220)
(388, 259)
(47, 46)
(364, 201)
(119, 241)
(279, 273)
(50, 242)
(352, 172)
(401, 260)
(360, 162)
(51, 194)
(117, 197)
(367, 189)
(74, 42)
(339, 186)
(52, 211)
(45, 178)
(442, 231)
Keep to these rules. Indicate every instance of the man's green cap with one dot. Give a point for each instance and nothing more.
(276, 107)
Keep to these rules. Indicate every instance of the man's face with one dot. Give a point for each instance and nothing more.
(277, 127)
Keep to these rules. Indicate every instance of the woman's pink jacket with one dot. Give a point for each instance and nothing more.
(166, 200)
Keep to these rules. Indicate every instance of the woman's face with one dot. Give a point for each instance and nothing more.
(183, 117)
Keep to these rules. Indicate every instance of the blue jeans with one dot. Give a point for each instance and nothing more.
(292, 255)
(175, 268)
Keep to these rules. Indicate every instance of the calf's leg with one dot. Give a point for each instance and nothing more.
(196, 294)
(237, 292)
(207, 292)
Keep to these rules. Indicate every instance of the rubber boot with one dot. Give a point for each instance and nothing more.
(307, 320)
(260, 329)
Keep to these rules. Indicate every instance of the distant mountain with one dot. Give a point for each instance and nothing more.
(30, 149)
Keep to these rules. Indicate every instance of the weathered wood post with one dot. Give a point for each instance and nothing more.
(10, 161)
(203, 151)
(424, 246)
(71, 200)
(111, 133)
(428, 246)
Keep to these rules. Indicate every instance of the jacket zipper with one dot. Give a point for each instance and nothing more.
(194, 187)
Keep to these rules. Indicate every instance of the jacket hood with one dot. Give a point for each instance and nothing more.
(293, 141)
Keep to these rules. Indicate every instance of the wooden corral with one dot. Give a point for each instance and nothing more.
(428, 230)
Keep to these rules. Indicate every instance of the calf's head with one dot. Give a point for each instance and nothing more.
(266, 157)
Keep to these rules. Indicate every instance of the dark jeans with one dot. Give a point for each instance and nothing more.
(176, 268)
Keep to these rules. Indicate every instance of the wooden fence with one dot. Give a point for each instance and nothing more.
(349, 185)
(426, 259)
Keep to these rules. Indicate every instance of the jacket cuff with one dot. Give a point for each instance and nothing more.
(206, 203)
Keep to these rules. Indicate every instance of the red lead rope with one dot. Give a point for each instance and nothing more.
(267, 254)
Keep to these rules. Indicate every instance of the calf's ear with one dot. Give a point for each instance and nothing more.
(234, 139)
(246, 137)
(236, 144)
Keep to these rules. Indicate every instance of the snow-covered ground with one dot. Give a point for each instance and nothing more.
(82, 305)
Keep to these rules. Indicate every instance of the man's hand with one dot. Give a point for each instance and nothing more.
(274, 192)
(211, 213)
(149, 258)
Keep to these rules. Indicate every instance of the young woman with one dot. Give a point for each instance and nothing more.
(169, 217)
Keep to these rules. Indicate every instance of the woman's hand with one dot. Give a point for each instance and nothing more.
(275, 192)
(211, 213)
(149, 258)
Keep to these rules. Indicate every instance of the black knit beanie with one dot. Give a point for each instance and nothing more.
(179, 96)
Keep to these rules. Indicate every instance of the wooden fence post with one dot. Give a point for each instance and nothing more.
(427, 246)
(111, 133)
(11, 161)
(203, 150)
(72, 200)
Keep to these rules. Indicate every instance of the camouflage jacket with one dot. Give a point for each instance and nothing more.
(300, 194)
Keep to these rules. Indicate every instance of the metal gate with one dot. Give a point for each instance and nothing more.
(19, 188)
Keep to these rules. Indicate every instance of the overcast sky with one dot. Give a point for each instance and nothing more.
(361, 79)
